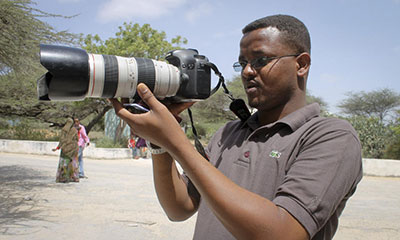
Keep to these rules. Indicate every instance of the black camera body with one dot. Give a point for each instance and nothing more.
(73, 74)
(195, 74)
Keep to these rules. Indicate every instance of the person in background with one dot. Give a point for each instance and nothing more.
(82, 143)
(132, 146)
(67, 170)
(141, 147)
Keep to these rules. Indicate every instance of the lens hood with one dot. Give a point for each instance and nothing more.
(68, 72)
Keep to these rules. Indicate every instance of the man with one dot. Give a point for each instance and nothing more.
(285, 173)
(83, 141)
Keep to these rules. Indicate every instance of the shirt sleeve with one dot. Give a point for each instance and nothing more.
(84, 135)
(322, 177)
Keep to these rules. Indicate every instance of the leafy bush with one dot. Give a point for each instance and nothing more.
(107, 142)
(26, 129)
(204, 130)
(23, 131)
(373, 134)
(393, 150)
(201, 131)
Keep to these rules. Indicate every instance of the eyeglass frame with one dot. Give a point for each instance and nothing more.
(264, 61)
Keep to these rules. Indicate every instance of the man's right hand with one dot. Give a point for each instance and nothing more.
(159, 125)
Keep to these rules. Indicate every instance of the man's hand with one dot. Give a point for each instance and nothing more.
(159, 124)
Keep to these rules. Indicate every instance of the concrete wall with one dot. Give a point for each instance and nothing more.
(45, 148)
(381, 167)
(372, 167)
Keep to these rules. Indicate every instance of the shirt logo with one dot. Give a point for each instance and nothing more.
(247, 154)
(275, 154)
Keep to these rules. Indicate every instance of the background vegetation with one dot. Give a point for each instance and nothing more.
(375, 115)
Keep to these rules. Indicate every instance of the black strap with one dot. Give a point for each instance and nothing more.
(197, 142)
(221, 81)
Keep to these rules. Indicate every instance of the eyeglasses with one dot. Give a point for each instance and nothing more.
(258, 62)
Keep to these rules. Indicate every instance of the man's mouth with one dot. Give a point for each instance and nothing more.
(251, 85)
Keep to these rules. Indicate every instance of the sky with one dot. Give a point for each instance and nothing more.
(355, 44)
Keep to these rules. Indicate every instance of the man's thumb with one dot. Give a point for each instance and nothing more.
(146, 95)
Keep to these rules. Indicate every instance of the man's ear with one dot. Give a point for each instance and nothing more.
(303, 64)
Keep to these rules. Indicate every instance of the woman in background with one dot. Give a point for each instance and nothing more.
(68, 169)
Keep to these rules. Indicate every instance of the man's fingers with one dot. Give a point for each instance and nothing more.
(119, 109)
(176, 109)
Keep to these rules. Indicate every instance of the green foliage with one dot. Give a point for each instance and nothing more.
(23, 131)
(107, 142)
(393, 150)
(373, 134)
(235, 86)
(370, 114)
(27, 129)
(200, 129)
(323, 105)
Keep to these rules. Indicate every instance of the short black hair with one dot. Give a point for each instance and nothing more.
(293, 32)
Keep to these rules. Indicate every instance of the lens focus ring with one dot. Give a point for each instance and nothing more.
(110, 76)
(146, 73)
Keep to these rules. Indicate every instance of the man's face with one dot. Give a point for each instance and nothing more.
(273, 85)
(76, 122)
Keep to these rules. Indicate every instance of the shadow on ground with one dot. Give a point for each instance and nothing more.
(19, 198)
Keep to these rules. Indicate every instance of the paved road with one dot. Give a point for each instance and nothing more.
(118, 201)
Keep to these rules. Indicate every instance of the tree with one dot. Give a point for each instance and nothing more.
(133, 40)
(378, 103)
(21, 31)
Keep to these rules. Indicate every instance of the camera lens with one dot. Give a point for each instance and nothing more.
(74, 74)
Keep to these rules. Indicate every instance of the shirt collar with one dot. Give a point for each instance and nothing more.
(294, 120)
(298, 118)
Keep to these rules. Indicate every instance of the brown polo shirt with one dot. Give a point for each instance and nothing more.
(304, 163)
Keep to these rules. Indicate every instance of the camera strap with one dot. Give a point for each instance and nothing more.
(199, 147)
(237, 106)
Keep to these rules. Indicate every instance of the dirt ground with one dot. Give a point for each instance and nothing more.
(118, 201)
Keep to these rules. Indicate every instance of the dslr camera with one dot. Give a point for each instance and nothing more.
(73, 74)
